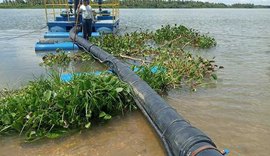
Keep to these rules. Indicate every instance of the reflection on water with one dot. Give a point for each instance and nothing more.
(127, 135)
(234, 112)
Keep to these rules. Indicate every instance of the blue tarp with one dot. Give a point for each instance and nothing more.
(68, 76)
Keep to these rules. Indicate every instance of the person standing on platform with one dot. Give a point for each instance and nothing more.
(87, 19)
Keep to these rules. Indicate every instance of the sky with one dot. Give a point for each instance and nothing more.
(262, 2)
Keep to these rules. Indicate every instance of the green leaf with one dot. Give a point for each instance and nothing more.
(102, 114)
(5, 128)
(118, 90)
(107, 117)
(88, 125)
(53, 135)
(31, 134)
(13, 114)
(6, 119)
(214, 76)
(47, 95)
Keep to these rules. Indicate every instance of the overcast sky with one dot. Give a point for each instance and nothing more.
(264, 2)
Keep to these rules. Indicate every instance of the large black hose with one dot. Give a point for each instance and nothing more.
(182, 138)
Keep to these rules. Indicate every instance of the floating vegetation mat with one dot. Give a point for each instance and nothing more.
(164, 48)
(51, 107)
(144, 42)
(63, 59)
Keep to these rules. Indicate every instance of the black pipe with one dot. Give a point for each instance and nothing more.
(182, 138)
(165, 143)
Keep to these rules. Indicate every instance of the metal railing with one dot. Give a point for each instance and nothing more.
(55, 7)
(113, 5)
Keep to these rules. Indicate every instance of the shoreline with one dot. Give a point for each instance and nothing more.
(133, 8)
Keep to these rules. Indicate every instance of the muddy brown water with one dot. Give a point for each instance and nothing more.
(234, 111)
(126, 135)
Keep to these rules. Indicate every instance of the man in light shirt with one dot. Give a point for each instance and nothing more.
(87, 18)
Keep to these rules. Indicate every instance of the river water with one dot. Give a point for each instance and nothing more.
(234, 112)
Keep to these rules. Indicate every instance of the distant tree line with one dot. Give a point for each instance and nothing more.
(21, 2)
(136, 4)
(181, 4)
(169, 4)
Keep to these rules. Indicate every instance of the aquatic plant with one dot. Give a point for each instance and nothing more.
(172, 36)
(183, 68)
(182, 36)
(156, 76)
(63, 59)
(164, 48)
(51, 107)
(176, 69)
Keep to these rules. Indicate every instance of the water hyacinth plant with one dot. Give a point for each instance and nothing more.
(164, 48)
(134, 43)
(63, 59)
(51, 107)
(156, 76)
(181, 35)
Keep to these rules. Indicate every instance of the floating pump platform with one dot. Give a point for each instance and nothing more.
(59, 26)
